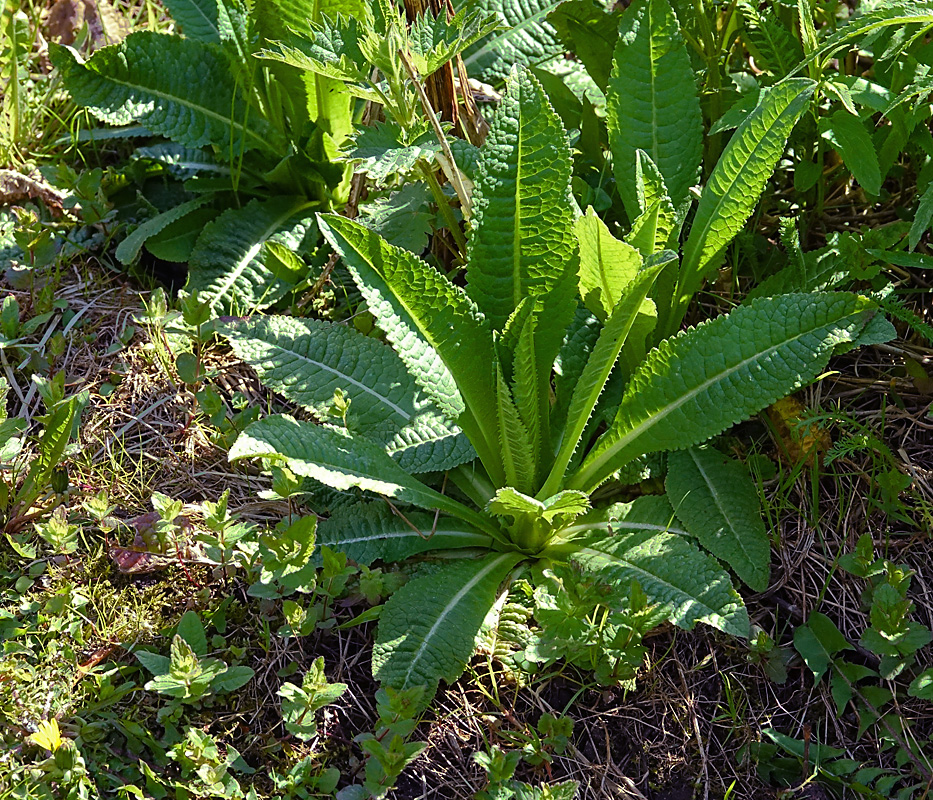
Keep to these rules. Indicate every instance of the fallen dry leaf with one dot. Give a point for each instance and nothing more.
(800, 443)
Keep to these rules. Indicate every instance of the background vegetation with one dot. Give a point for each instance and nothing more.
(180, 623)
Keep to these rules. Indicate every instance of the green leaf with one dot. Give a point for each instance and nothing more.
(176, 241)
(204, 20)
(853, 141)
(436, 40)
(226, 268)
(702, 381)
(922, 218)
(300, 702)
(436, 330)
(339, 459)
(402, 218)
(922, 686)
(128, 250)
(736, 183)
(60, 424)
(523, 243)
(652, 103)
(428, 627)
(307, 361)
(323, 101)
(606, 264)
(379, 151)
(368, 532)
(654, 225)
(717, 502)
(515, 445)
(590, 32)
(817, 642)
(774, 48)
(690, 585)
(231, 679)
(526, 38)
(192, 631)
(600, 364)
(332, 50)
(179, 88)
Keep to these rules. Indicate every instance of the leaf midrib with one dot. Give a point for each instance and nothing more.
(448, 610)
(352, 381)
(723, 510)
(261, 143)
(663, 413)
(269, 230)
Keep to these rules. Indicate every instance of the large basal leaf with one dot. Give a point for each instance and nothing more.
(428, 627)
(225, 267)
(179, 88)
(526, 38)
(368, 532)
(204, 20)
(341, 460)
(652, 103)
(737, 182)
(717, 502)
(702, 381)
(523, 243)
(306, 361)
(437, 331)
(688, 584)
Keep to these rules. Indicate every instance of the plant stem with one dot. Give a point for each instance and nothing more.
(444, 207)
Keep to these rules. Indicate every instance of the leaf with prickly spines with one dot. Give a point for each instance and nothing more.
(436, 330)
(307, 361)
(225, 267)
(436, 40)
(652, 103)
(147, 78)
(651, 231)
(380, 152)
(428, 628)
(332, 50)
(672, 572)
(715, 499)
(369, 532)
(698, 383)
(339, 459)
(737, 182)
